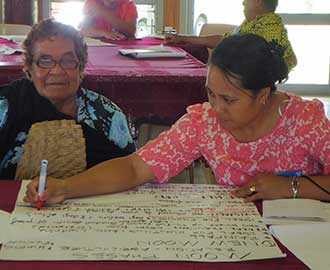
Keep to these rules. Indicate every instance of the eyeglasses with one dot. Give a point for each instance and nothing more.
(48, 63)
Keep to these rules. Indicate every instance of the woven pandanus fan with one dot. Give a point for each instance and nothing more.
(61, 142)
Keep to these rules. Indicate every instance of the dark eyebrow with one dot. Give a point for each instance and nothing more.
(224, 96)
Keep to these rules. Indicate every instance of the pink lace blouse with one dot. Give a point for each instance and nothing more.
(300, 141)
(126, 10)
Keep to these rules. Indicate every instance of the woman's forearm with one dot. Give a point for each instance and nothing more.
(208, 41)
(109, 177)
(128, 28)
(309, 190)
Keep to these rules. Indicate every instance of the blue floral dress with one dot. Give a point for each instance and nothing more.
(104, 125)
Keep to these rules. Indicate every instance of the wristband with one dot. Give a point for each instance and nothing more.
(295, 186)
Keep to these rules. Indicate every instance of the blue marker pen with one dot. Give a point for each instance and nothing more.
(42, 182)
(289, 173)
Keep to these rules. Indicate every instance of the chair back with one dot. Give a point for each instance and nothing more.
(14, 29)
(216, 28)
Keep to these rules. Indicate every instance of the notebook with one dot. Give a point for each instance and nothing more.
(153, 52)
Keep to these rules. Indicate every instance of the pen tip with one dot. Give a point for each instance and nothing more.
(39, 204)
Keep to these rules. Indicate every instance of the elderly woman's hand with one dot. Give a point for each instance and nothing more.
(265, 186)
(55, 191)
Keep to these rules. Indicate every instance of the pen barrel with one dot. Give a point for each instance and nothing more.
(43, 175)
(289, 173)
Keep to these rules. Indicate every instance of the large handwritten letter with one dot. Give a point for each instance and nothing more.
(152, 222)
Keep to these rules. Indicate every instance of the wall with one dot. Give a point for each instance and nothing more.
(18, 11)
(172, 13)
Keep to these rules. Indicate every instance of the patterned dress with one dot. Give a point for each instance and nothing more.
(270, 27)
(104, 125)
(300, 141)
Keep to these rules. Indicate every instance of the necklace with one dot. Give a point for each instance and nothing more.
(279, 107)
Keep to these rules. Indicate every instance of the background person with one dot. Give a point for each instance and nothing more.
(54, 59)
(260, 19)
(112, 19)
(247, 132)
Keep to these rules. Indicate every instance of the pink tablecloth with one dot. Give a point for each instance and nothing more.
(107, 61)
(8, 193)
(10, 65)
(153, 90)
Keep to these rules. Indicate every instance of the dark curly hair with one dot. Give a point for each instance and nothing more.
(49, 28)
(252, 60)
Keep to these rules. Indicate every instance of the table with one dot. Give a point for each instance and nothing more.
(198, 51)
(10, 65)
(8, 193)
(154, 90)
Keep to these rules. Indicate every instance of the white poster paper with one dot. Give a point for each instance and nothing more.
(154, 222)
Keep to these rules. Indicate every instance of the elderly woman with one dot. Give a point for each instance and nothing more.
(112, 19)
(248, 133)
(55, 58)
(260, 19)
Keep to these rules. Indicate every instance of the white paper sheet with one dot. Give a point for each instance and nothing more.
(154, 222)
(158, 51)
(294, 211)
(19, 39)
(4, 49)
(97, 42)
(4, 221)
(309, 242)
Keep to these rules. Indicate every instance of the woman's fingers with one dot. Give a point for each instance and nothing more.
(245, 191)
(114, 36)
(264, 186)
(31, 194)
(54, 191)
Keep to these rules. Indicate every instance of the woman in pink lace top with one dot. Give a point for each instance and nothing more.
(112, 19)
(248, 132)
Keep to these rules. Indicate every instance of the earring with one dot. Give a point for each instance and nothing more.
(81, 77)
(28, 74)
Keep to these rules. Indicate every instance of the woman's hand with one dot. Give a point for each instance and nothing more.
(55, 191)
(114, 35)
(95, 33)
(265, 186)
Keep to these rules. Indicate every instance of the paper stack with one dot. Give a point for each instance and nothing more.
(303, 226)
(153, 52)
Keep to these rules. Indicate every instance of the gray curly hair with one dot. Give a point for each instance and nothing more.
(49, 28)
